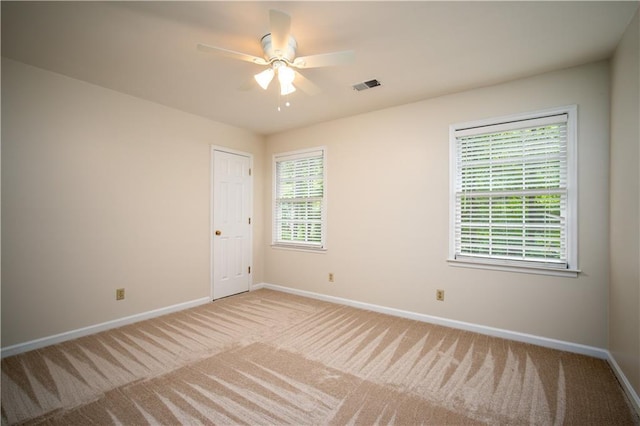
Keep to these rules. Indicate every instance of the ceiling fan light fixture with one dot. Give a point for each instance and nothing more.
(286, 89)
(264, 78)
(279, 55)
(286, 75)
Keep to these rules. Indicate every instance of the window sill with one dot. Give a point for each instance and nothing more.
(293, 247)
(523, 269)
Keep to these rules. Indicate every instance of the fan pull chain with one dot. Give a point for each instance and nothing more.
(286, 104)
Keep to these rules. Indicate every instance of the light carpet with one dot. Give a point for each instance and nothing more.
(268, 357)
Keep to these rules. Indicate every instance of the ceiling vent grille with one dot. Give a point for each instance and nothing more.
(366, 85)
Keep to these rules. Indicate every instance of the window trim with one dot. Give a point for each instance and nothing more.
(572, 269)
(301, 153)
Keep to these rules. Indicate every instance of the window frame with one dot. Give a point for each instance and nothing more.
(571, 240)
(299, 246)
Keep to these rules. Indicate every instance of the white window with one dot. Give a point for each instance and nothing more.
(299, 204)
(513, 193)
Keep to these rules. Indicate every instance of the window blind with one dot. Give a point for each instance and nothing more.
(511, 191)
(299, 199)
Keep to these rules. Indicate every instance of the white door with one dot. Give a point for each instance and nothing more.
(231, 223)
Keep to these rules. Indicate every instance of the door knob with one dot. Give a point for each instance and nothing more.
(218, 232)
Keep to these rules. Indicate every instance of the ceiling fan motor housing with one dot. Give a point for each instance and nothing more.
(271, 55)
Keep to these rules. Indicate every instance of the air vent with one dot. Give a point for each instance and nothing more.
(366, 85)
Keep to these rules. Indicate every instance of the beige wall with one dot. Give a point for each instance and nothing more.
(101, 190)
(388, 212)
(624, 317)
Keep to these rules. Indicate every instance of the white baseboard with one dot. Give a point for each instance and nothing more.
(256, 286)
(490, 331)
(92, 329)
(626, 385)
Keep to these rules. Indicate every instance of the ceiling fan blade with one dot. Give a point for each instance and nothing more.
(280, 27)
(232, 54)
(304, 84)
(324, 59)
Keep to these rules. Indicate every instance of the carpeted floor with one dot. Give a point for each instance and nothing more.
(267, 357)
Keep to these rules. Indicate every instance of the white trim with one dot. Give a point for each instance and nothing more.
(460, 325)
(514, 117)
(498, 126)
(92, 329)
(538, 270)
(506, 334)
(572, 186)
(571, 113)
(292, 155)
(481, 329)
(293, 247)
(256, 287)
(211, 228)
(232, 151)
(626, 385)
(300, 153)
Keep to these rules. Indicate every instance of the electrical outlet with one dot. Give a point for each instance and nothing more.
(119, 293)
(331, 277)
(440, 295)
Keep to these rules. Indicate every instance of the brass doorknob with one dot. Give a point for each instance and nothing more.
(218, 232)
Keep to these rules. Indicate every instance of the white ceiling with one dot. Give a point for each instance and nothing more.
(416, 49)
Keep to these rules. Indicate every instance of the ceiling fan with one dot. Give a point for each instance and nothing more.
(279, 49)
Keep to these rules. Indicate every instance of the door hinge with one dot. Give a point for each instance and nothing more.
(249, 268)
(249, 221)
(249, 171)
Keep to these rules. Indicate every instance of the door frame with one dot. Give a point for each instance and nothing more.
(224, 149)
